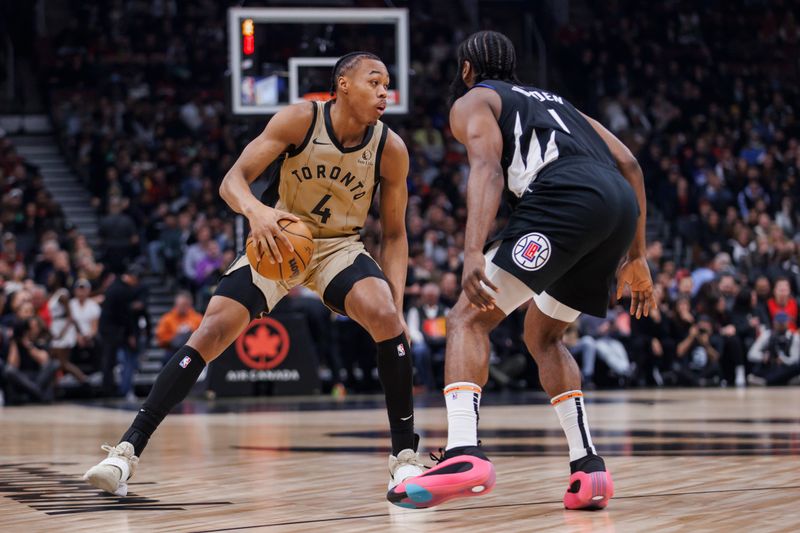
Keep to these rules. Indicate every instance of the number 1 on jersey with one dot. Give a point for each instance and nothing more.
(325, 214)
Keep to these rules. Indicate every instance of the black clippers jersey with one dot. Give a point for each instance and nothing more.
(539, 128)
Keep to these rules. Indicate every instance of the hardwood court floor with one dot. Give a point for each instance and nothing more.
(702, 459)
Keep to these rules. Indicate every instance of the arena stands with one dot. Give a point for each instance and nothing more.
(139, 106)
(712, 121)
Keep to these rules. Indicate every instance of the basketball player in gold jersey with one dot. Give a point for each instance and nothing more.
(330, 158)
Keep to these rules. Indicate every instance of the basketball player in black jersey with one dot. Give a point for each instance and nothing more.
(350, 151)
(578, 204)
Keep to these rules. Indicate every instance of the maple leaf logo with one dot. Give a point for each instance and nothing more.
(262, 343)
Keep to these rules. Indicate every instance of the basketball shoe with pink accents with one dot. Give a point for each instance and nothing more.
(462, 472)
(590, 484)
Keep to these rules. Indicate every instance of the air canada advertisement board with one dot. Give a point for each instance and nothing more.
(273, 356)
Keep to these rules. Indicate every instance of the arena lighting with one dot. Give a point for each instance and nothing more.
(248, 32)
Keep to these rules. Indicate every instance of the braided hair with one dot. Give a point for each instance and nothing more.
(492, 57)
(347, 62)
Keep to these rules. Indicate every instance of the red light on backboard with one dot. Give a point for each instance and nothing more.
(248, 32)
(249, 45)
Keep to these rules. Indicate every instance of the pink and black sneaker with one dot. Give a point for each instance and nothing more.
(461, 472)
(590, 484)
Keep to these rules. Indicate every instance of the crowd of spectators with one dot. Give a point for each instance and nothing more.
(45, 329)
(705, 95)
(706, 100)
(60, 319)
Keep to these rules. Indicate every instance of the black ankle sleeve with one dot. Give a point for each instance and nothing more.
(395, 371)
(170, 388)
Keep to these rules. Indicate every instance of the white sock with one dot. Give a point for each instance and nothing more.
(463, 401)
(572, 415)
(741, 381)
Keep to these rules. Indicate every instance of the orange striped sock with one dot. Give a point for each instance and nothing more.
(572, 415)
(463, 401)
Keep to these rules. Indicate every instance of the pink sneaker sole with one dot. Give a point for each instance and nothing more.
(589, 491)
(458, 477)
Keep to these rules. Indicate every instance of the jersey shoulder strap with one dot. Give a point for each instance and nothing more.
(272, 174)
(313, 130)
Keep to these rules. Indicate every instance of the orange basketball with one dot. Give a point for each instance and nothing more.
(293, 264)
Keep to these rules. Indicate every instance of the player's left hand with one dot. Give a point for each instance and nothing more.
(475, 282)
(636, 273)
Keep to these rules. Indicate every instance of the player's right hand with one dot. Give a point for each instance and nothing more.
(636, 273)
(265, 230)
(475, 282)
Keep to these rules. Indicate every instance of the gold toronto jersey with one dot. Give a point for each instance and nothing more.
(328, 186)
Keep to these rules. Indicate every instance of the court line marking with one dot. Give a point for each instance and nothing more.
(497, 506)
(714, 449)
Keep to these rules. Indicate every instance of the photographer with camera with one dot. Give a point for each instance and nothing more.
(698, 353)
(775, 354)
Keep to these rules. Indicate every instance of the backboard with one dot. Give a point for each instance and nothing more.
(280, 56)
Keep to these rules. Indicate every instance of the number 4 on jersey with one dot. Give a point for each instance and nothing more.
(325, 214)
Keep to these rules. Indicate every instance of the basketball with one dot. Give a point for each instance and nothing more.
(293, 264)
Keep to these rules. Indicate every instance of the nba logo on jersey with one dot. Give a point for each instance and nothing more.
(532, 251)
(185, 361)
(401, 351)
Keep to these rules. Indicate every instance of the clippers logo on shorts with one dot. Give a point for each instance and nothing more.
(185, 361)
(532, 251)
(401, 351)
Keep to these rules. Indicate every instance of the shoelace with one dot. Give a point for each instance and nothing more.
(112, 450)
(438, 458)
(413, 461)
(442, 453)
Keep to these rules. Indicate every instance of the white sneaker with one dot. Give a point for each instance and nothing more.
(404, 466)
(112, 473)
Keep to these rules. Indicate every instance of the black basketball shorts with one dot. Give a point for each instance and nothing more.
(566, 237)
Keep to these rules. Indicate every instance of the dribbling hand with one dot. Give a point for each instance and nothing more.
(636, 273)
(265, 230)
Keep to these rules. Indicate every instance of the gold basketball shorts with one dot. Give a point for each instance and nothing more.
(337, 263)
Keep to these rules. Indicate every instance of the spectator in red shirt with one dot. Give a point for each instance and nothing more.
(782, 300)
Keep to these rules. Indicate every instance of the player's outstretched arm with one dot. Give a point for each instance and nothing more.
(474, 124)
(394, 197)
(635, 270)
(286, 129)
